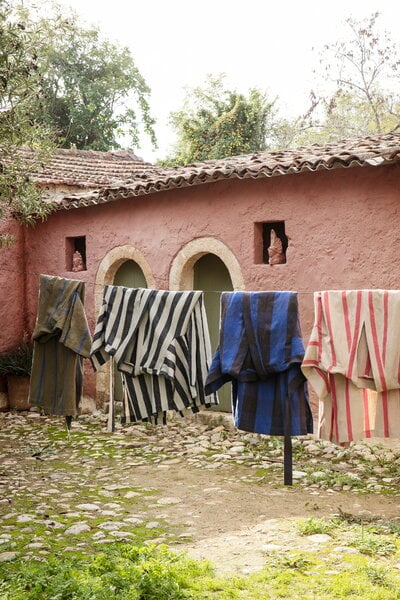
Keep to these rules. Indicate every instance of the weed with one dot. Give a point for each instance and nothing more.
(378, 575)
(312, 526)
(372, 544)
(296, 562)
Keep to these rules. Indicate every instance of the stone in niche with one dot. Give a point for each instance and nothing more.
(275, 250)
(77, 262)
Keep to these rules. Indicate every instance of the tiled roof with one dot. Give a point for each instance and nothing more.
(374, 150)
(90, 168)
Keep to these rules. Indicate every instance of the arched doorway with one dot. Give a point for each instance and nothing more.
(108, 274)
(129, 274)
(208, 264)
(211, 275)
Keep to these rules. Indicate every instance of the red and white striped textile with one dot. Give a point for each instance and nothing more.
(353, 363)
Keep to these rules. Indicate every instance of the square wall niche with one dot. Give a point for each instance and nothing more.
(75, 253)
(264, 236)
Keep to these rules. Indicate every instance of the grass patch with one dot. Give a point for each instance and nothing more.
(122, 572)
(131, 572)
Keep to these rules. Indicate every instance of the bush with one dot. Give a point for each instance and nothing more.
(17, 361)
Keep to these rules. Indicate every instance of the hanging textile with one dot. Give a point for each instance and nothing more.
(353, 362)
(260, 351)
(160, 343)
(61, 339)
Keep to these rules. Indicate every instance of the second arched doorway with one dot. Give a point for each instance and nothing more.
(211, 275)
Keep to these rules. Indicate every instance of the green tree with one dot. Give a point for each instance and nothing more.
(19, 94)
(216, 122)
(92, 93)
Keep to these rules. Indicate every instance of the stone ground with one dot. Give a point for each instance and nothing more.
(195, 484)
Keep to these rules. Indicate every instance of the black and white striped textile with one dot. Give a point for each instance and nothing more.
(160, 343)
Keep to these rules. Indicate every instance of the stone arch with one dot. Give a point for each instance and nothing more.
(105, 276)
(181, 272)
(110, 265)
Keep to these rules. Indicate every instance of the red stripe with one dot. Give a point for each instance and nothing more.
(346, 319)
(334, 422)
(313, 343)
(324, 377)
(319, 326)
(375, 341)
(355, 335)
(385, 413)
(314, 363)
(367, 425)
(348, 413)
(385, 323)
(329, 325)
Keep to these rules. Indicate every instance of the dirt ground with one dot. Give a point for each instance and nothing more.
(235, 524)
(228, 514)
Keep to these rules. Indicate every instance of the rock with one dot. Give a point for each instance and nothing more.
(77, 529)
(345, 550)
(299, 474)
(169, 501)
(271, 548)
(88, 507)
(8, 556)
(236, 450)
(131, 494)
(134, 520)
(319, 475)
(319, 538)
(111, 525)
(313, 448)
(25, 518)
(152, 525)
(121, 534)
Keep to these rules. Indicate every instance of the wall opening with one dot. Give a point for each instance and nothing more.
(270, 243)
(75, 253)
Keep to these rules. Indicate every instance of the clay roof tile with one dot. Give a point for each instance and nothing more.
(108, 176)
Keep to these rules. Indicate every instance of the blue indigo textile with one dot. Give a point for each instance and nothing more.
(260, 352)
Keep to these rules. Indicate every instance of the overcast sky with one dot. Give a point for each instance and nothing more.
(256, 43)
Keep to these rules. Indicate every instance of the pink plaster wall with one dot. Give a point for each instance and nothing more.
(12, 296)
(343, 229)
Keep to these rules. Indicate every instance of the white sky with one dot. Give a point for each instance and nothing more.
(256, 43)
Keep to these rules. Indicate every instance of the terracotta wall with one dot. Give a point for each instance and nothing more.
(342, 227)
(12, 293)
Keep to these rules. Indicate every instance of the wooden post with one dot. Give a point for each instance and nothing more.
(111, 406)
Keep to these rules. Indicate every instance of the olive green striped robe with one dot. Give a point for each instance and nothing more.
(61, 338)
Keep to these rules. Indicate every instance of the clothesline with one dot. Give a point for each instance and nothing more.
(88, 282)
